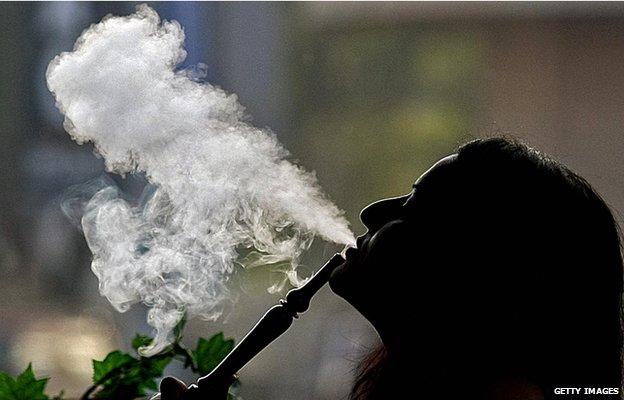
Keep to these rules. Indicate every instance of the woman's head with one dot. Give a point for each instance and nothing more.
(500, 264)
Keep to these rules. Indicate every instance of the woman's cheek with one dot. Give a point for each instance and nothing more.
(389, 244)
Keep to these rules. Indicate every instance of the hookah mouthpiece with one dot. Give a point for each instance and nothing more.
(274, 323)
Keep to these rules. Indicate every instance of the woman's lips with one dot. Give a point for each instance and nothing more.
(352, 252)
(359, 242)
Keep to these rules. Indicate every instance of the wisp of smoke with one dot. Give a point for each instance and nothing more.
(225, 193)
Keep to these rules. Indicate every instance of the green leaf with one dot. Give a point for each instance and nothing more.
(156, 365)
(179, 328)
(123, 377)
(115, 360)
(120, 376)
(209, 353)
(141, 341)
(24, 387)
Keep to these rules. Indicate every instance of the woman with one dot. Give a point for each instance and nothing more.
(498, 277)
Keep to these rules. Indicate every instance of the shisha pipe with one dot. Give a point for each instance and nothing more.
(273, 324)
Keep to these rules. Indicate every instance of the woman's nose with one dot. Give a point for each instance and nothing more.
(377, 214)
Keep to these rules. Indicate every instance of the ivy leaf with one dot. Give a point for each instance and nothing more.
(209, 353)
(156, 365)
(114, 361)
(141, 341)
(120, 376)
(24, 387)
(179, 328)
(151, 369)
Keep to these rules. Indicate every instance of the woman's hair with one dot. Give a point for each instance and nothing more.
(540, 276)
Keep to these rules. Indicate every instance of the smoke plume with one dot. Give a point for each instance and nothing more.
(224, 192)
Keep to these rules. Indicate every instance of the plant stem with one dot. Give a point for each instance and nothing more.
(91, 389)
(178, 349)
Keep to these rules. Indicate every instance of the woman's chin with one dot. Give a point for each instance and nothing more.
(342, 280)
(338, 280)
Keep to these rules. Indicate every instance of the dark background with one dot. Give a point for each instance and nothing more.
(366, 94)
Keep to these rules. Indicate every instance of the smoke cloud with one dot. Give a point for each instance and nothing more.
(224, 193)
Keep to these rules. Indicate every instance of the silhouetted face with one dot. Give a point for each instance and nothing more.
(407, 277)
(399, 238)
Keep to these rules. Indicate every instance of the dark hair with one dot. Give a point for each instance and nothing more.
(545, 268)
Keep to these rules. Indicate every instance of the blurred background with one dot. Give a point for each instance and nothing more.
(368, 95)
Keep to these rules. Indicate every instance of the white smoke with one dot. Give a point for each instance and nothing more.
(224, 189)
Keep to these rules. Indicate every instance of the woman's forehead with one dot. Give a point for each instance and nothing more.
(437, 168)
